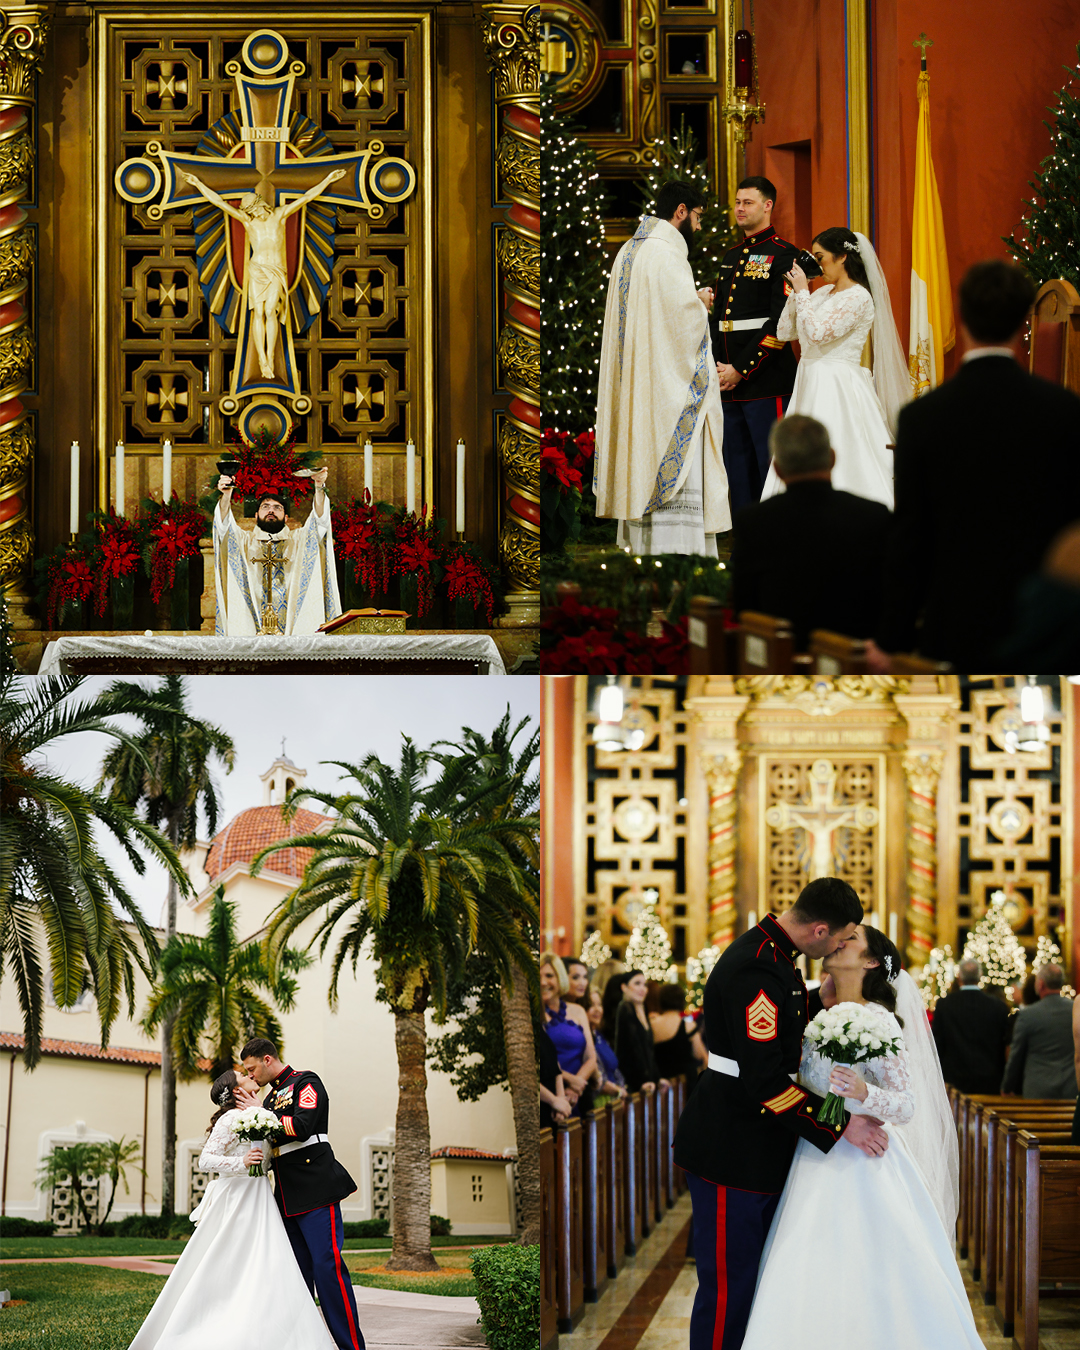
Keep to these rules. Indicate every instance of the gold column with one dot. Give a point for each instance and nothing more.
(857, 46)
(511, 35)
(23, 31)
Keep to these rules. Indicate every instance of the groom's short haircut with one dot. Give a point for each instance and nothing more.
(995, 297)
(673, 195)
(762, 185)
(259, 1048)
(799, 445)
(828, 900)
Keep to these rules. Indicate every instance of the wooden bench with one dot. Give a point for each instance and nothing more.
(712, 646)
(616, 1188)
(1048, 1229)
(570, 1289)
(595, 1225)
(835, 654)
(549, 1243)
(766, 645)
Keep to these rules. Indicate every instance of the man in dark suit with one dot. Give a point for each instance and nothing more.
(987, 474)
(812, 555)
(1042, 1059)
(971, 1030)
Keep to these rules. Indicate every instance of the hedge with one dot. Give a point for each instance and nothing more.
(367, 1228)
(508, 1291)
(12, 1226)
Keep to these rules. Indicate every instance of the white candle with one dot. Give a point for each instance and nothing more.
(74, 487)
(459, 514)
(119, 483)
(368, 470)
(410, 477)
(166, 472)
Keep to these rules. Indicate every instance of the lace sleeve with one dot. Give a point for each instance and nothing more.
(216, 1155)
(826, 322)
(890, 1098)
(786, 330)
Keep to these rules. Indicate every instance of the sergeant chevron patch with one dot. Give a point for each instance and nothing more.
(761, 1019)
(308, 1098)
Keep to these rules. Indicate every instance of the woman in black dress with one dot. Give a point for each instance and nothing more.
(627, 1029)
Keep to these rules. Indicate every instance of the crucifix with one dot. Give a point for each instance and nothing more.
(923, 41)
(271, 623)
(821, 818)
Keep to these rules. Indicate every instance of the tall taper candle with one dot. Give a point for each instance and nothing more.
(368, 481)
(118, 485)
(74, 487)
(166, 472)
(459, 514)
(410, 477)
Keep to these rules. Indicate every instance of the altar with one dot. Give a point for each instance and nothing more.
(374, 654)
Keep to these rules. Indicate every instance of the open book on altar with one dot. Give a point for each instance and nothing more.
(367, 621)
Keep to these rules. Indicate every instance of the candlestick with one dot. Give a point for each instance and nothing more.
(166, 472)
(410, 477)
(368, 481)
(459, 514)
(74, 487)
(119, 477)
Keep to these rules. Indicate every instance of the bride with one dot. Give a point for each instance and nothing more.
(238, 1252)
(881, 1227)
(831, 384)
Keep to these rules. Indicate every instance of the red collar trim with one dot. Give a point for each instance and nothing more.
(784, 944)
(277, 1082)
(760, 235)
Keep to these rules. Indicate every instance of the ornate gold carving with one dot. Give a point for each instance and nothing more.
(16, 451)
(511, 35)
(518, 163)
(817, 695)
(517, 453)
(722, 777)
(16, 160)
(16, 357)
(16, 550)
(16, 257)
(518, 258)
(519, 547)
(922, 769)
(520, 358)
(23, 33)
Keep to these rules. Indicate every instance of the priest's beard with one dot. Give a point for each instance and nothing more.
(687, 232)
(272, 526)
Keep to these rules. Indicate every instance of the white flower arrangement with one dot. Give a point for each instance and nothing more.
(849, 1033)
(255, 1126)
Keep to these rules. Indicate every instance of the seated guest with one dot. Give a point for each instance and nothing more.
(1042, 1059)
(1046, 635)
(608, 1073)
(971, 1030)
(627, 1028)
(987, 475)
(568, 1028)
(676, 1052)
(812, 555)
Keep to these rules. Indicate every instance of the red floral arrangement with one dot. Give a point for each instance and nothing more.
(469, 578)
(269, 465)
(579, 639)
(118, 546)
(417, 546)
(173, 531)
(362, 533)
(65, 575)
(563, 458)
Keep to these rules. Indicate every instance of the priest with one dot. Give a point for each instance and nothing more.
(303, 581)
(659, 467)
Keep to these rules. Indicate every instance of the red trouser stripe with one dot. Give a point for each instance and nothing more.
(721, 1267)
(338, 1266)
(779, 408)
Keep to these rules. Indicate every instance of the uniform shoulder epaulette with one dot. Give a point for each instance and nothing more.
(786, 243)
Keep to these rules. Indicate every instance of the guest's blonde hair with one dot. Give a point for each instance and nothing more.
(555, 962)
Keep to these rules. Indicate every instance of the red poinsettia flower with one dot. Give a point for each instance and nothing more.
(77, 580)
(554, 462)
(586, 447)
(416, 555)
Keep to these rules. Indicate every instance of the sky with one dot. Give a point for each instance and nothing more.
(321, 717)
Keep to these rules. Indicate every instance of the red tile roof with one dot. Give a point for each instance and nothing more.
(476, 1153)
(115, 1054)
(252, 831)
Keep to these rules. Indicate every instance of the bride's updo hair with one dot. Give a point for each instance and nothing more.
(875, 986)
(841, 243)
(221, 1094)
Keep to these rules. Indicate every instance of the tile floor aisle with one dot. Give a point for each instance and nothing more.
(648, 1306)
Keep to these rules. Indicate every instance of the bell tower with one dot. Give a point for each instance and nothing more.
(280, 779)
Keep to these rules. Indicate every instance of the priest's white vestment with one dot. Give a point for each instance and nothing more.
(659, 420)
(304, 584)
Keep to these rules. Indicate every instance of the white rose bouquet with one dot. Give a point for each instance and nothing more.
(848, 1034)
(255, 1126)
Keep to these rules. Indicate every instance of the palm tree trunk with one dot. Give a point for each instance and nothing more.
(525, 1096)
(412, 1149)
(168, 1075)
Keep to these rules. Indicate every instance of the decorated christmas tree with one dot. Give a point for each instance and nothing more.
(649, 948)
(1047, 240)
(678, 159)
(595, 951)
(698, 970)
(1047, 952)
(994, 945)
(936, 977)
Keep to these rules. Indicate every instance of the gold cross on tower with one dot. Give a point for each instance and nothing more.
(821, 818)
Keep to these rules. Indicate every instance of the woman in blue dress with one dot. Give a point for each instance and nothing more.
(612, 1082)
(568, 1027)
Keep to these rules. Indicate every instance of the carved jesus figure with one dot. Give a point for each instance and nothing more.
(267, 263)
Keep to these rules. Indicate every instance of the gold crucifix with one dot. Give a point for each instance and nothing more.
(822, 818)
(923, 41)
(270, 626)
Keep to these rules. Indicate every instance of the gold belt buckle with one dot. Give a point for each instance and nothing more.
(726, 325)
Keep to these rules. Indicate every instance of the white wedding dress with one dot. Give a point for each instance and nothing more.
(238, 1259)
(832, 386)
(857, 1254)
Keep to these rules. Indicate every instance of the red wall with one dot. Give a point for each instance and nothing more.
(557, 818)
(994, 70)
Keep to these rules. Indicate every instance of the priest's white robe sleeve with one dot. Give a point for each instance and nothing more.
(236, 608)
(312, 583)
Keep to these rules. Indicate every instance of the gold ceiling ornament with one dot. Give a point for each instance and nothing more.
(24, 30)
(511, 34)
(818, 695)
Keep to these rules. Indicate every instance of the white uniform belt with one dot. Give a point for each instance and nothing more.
(301, 1143)
(731, 1067)
(737, 325)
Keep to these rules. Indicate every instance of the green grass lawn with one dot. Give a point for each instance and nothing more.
(75, 1307)
(460, 1286)
(12, 1248)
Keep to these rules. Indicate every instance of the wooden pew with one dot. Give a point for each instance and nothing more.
(766, 645)
(549, 1316)
(631, 1143)
(1048, 1227)
(667, 1134)
(712, 647)
(616, 1188)
(570, 1285)
(907, 663)
(835, 654)
(595, 1225)
(648, 1162)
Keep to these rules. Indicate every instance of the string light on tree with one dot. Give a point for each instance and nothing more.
(698, 970)
(994, 945)
(679, 159)
(649, 948)
(936, 977)
(595, 951)
(1048, 953)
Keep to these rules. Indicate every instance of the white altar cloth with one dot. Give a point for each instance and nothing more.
(320, 647)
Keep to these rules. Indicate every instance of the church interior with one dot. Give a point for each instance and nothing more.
(304, 236)
(679, 812)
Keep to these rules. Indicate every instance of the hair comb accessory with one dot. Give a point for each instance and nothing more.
(890, 972)
(851, 248)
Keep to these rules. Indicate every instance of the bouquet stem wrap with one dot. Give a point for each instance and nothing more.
(256, 1126)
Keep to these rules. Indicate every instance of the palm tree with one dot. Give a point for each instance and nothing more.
(497, 761)
(207, 991)
(114, 1158)
(166, 770)
(53, 878)
(410, 866)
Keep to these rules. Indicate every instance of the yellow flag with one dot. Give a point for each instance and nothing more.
(933, 331)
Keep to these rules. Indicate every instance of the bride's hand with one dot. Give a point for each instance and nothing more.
(797, 277)
(252, 1156)
(244, 1099)
(845, 1082)
(827, 991)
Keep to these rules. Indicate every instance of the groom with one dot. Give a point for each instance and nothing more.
(310, 1183)
(736, 1138)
